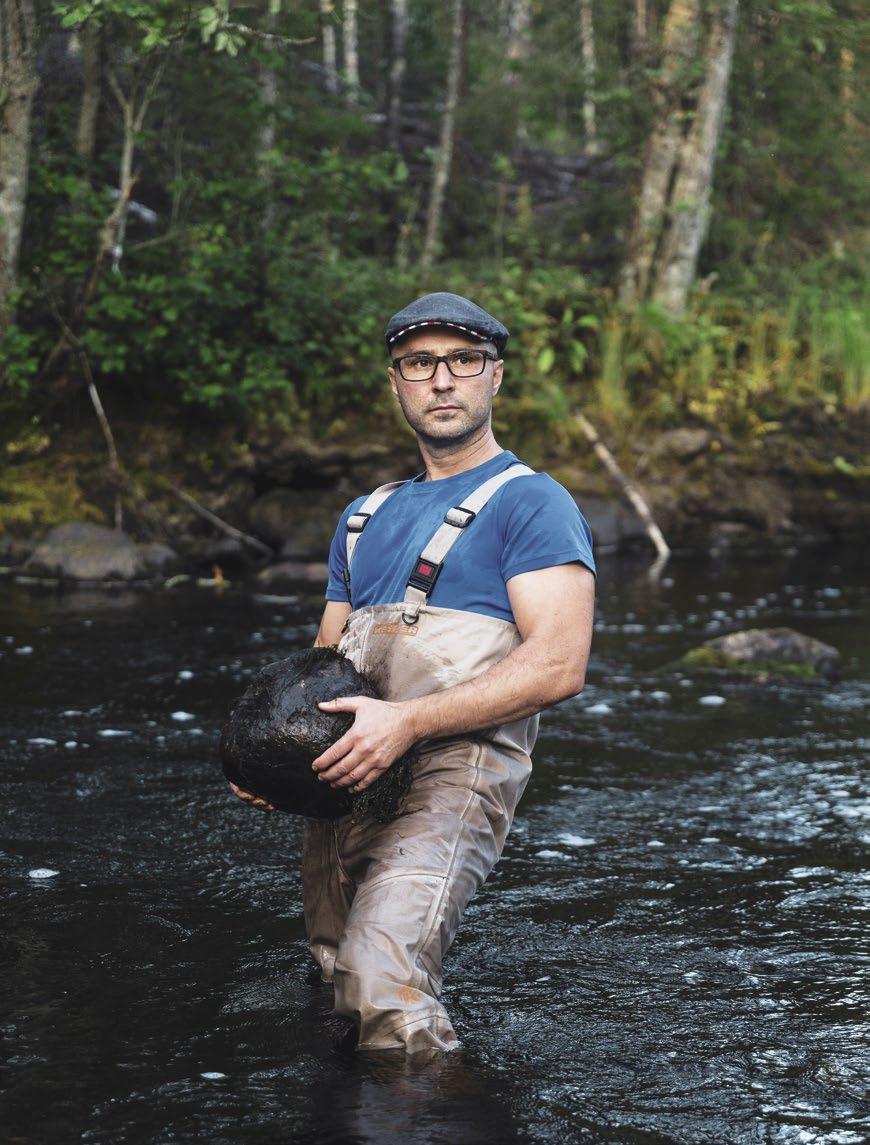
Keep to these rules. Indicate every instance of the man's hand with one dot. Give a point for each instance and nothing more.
(252, 799)
(380, 733)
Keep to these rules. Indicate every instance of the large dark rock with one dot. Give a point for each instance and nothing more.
(276, 731)
(301, 522)
(82, 551)
(613, 525)
(767, 652)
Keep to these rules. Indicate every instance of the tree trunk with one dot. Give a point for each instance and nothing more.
(351, 57)
(330, 56)
(444, 153)
(18, 83)
(398, 39)
(133, 117)
(679, 42)
(517, 52)
(587, 46)
(267, 82)
(690, 196)
(86, 132)
(639, 28)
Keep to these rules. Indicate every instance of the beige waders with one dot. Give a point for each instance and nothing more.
(383, 902)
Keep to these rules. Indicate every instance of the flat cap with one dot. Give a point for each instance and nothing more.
(447, 310)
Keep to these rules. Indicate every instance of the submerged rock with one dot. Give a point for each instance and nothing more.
(276, 731)
(767, 652)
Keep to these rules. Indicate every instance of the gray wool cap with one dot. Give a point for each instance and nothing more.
(451, 310)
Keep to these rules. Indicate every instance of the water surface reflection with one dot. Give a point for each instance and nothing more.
(670, 951)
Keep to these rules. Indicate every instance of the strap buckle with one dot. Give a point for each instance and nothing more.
(459, 517)
(356, 522)
(425, 574)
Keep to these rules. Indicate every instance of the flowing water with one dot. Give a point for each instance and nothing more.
(670, 950)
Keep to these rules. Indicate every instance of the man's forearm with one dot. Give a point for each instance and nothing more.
(526, 681)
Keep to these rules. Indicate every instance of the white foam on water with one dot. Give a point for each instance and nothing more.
(40, 741)
(109, 733)
(42, 873)
(712, 701)
(24, 650)
(655, 843)
(600, 709)
(576, 840)
(71, 743)
(213, 1075)
(71, 712)
(660, 697)
(550, 855)
(183, 717)
(185, 674)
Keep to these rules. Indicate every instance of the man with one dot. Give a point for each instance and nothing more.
(467, 595)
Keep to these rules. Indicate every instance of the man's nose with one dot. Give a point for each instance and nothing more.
(443, 379)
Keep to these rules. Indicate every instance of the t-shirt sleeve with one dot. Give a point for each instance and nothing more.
(541, 526)
(336, 589)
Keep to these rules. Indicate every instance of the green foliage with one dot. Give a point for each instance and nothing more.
(271, 270)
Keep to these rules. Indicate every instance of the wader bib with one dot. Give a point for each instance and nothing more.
(383, 901)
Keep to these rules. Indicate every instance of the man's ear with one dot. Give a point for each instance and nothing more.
(391, 374)
(497, 374)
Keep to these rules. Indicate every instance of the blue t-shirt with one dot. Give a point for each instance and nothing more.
(530, 523)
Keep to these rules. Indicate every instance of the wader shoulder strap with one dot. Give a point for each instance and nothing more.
(357, 521)
(430, 562)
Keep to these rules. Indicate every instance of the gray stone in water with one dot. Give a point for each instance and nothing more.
(159, 559)
(294, 572)
(82, 551)
(770, 650)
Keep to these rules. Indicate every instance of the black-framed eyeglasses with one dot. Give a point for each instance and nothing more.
(421, 367)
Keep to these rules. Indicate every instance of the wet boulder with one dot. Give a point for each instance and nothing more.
(82, 551)
(276, 730)
(765, 653)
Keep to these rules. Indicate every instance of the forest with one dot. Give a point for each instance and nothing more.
(209, 210)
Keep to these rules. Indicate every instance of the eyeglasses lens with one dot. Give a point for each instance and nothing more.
(460, 363)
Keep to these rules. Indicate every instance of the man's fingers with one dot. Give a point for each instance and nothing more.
(341, 704)
(368, 780)
(353, 761)
(253, 800)
(333, 754)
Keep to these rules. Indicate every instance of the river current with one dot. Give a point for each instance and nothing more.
(673, 948)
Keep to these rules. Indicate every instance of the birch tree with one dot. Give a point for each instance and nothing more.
(327, 34)
(350, 43)
(690, 195)
(267, 82)
(444, 153)
(679, 42)
(517, 53)
(587, 47)
(18, 84)
(398, 40)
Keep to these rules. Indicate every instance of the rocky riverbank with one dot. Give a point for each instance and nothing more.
(277, 496)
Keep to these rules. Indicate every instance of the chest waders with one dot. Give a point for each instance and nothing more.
(383, 901)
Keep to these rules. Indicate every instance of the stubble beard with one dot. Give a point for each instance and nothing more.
(453, 437)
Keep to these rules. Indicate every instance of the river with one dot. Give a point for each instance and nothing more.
(672, 949)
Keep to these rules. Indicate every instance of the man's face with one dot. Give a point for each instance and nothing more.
(445, 409)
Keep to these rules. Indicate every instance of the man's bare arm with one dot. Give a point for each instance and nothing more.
(332, 624)
(553, 609)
